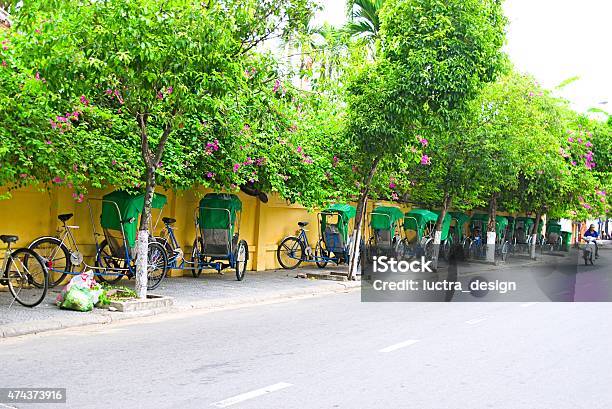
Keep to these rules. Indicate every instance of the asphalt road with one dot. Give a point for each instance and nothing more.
(331, 352)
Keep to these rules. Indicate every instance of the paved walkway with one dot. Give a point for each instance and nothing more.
(208, 291)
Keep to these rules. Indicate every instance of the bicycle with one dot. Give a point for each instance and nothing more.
(24, 273)
(59, 258)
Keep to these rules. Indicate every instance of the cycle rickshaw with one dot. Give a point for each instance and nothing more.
(475, 246)
(116, 254)
(419, 226)
(553, 240)
(459, 220)
(521, 237)
(385, 228)
(217, 244)
(333, 244)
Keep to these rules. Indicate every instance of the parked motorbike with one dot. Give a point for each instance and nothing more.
(589, 250)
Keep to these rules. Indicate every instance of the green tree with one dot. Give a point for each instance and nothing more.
(153, 68)
(435, 56)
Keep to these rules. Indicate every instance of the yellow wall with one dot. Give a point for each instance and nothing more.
(32, 212)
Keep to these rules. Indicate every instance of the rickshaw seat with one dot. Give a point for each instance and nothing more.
(383, 238)
(333, 239)
(302, 224)
(216, 242)
(168, 220)
(115, 243)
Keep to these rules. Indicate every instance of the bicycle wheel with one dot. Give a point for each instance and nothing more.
(24, 268)
(290, 253)
(242, 256)
(107, 263)
(56, 257)
(197, 258)
(321, 254)
(157, 265)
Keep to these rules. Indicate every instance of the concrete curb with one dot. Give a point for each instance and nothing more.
(108, 317)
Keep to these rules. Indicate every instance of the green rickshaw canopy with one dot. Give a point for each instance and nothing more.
(130, 206)
(417, 219)
(501, 222)
(345, 212)
(445, 224)
(553, 226)
(218, 211)
(385, 217)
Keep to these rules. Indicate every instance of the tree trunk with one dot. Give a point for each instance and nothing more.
(151, 162)
(491, 233)
(361, 208)
(446, 202)
(142, 243)
(534, 235)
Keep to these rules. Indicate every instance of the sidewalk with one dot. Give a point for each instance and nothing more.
(206, 292)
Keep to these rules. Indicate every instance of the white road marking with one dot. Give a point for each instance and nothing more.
(250, 395)
(475, 321)
(399, 345)
(529, 304)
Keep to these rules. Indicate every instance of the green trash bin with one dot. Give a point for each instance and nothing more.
(567, 240)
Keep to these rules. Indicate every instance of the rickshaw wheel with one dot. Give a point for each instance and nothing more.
(242, 252)
(294, 251)
(105, 260)
(157, 265)
(197, 257)
(320, 252)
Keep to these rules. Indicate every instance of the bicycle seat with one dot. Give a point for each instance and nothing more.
(9, 239)
(65, 217)
(168, 220)
(302, 224)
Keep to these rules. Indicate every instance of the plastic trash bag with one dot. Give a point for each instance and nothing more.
(84, 280)
(78, 299)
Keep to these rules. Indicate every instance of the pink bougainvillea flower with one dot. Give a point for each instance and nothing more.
(84, 100)
(160, 95)
(588, 144)
(587, 206)
(75, 167)
(394, 196)
(293, 128)
(570, 139)
(260, 161)
(425, 160)
(57, 179)
(573, 163)
(299, 149)
(276, 86)
(48, 142)
(114, 162)
(37, 75)
(391, 185)
(3, 63)
(170, 90)
(236, 167)
(579, 140)
(210, 175)
(108, 91)
(424, 142)
(413, 149)
(23, 175)
(601, 192)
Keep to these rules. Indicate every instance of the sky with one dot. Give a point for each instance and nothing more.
(553, 40)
